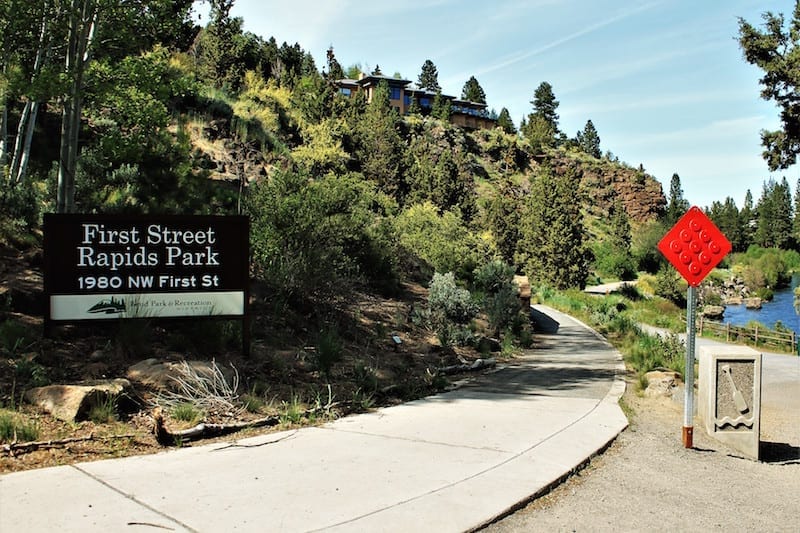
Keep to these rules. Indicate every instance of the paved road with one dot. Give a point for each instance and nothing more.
(451, 462)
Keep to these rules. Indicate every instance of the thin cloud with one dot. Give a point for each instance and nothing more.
(520, 56)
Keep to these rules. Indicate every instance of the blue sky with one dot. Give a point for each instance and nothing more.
(664, 82)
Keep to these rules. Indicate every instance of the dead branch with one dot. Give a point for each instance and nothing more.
(478, 364)
(16, 448)
(166, 437)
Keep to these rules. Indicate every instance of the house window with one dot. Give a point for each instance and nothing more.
(345, 91)
(425, 102)
(394, 93)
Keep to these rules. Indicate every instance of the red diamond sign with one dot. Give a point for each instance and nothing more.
(694, 246)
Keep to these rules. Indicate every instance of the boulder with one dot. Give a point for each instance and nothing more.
(73, 403)
(160, 375)
(662, 383)
(752, 303)
(713, 311)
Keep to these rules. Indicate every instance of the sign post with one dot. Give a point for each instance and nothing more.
(694, 246)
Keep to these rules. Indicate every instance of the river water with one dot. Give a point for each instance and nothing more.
(780, 308)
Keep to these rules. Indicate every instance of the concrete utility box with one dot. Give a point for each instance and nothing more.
(729, 390)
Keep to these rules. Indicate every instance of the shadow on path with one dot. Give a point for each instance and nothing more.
(779, 452)
(543, 323)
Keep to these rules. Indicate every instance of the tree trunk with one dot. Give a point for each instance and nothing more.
(27, 121)
(82, 21)
(3, 134)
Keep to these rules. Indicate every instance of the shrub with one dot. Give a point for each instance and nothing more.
(441, 240)
(669, 286)
(501, 299)
(329, 351)
(317, 238)
(451, 307)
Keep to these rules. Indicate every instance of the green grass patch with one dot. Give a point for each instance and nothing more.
(14, 427)
(187, 412)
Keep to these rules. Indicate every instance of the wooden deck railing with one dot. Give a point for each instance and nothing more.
(755, 335)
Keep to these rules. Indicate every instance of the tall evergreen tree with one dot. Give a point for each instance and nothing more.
(796, 219)
(335, 71)
(429, 77)
(473, 92)
(545, 105)
(676, 204)
(380, 148)
(589, 141)
(553, 237)
(776, 52)
(441, 107)
(774, 215)
(727, 218)
(505, 123)
(541, 128)
(747, 220)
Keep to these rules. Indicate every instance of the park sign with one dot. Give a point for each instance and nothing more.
(145, 266)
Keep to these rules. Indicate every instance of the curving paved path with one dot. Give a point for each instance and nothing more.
(450, 462)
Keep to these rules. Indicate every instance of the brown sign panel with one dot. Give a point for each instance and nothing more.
(133, 266)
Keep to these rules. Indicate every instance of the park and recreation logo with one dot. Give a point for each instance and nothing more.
(109, 306)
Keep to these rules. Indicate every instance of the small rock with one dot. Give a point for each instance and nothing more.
(661, 383)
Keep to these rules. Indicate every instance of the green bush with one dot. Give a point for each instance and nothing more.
(668, 285)
(500, 294)
(441, 240)
(329, 351)
(614, 263)
(316, 238)
(450, 309)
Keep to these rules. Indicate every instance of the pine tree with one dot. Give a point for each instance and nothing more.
(676, 204)
(505, 123)
(774, 215)
(589, 141)
(545, 104)
(541, 128)
(776, 51)
(796, 219)
(473, 92)
(441, 107)
(335, 71)
(727, 218)
(380, 147)
(429, 77)
(553, 237)
(747, 220)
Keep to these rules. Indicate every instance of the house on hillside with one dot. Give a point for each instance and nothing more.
(466, 114)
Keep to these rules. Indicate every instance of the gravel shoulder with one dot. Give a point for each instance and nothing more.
(647, 480)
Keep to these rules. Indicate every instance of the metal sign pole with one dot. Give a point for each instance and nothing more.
(688, 398)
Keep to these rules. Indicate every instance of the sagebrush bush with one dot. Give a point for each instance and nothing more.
(450, 309)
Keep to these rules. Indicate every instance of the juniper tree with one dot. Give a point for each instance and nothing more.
(553, 247)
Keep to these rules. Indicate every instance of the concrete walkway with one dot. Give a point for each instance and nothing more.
(451, 462)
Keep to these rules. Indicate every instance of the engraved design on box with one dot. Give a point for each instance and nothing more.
(734, 396)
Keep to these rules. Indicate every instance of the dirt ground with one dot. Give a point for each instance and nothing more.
(647, 481)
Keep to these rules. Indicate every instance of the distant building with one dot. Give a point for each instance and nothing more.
(472, 115)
